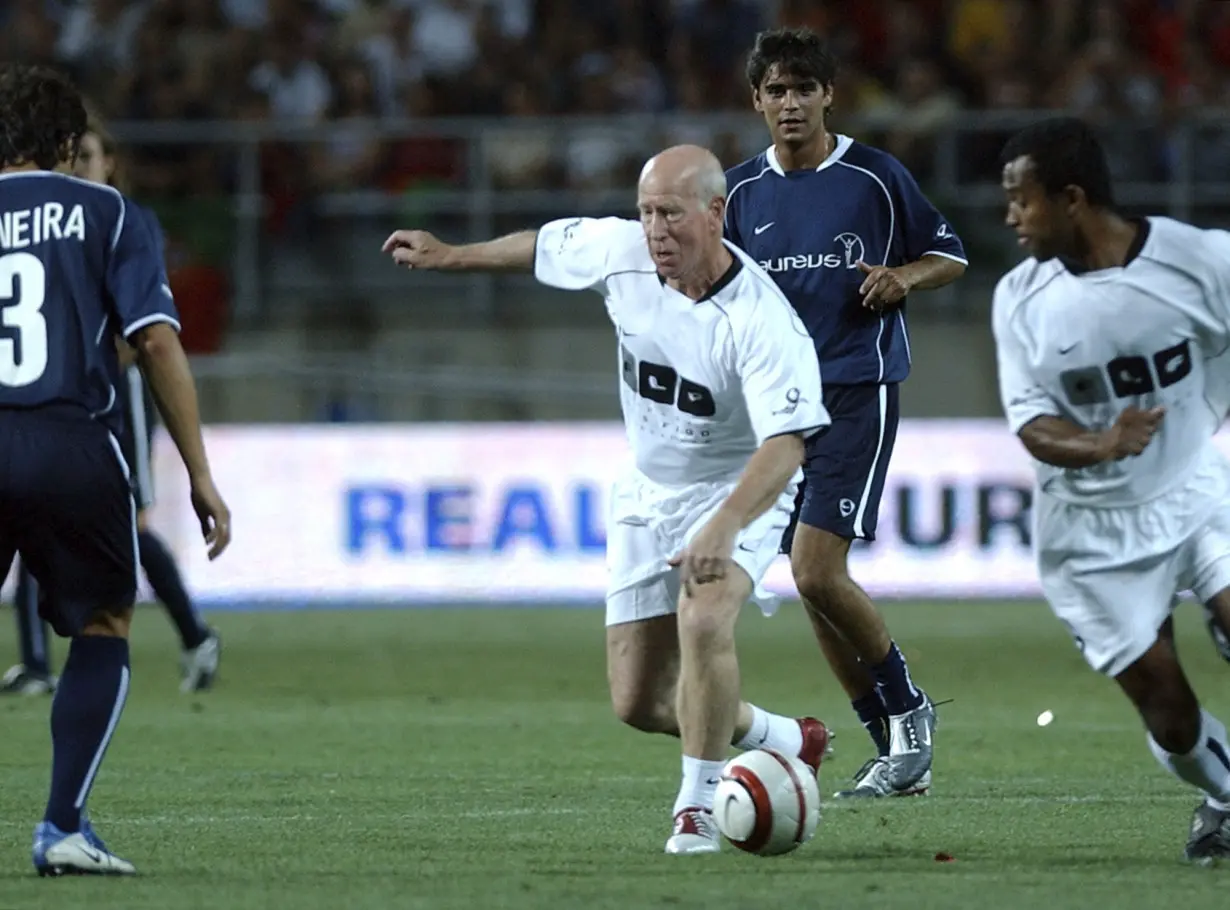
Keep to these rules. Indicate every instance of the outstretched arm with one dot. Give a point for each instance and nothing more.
(569, 253)
(422, 250)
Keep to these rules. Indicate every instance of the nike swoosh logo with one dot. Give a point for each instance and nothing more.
(746, 548)
(764, 227)
(92, 855)
(1068, 348)
(713, 781)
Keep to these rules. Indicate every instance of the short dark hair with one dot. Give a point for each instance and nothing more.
(800, 52)
(42, 116)
(1065, 152)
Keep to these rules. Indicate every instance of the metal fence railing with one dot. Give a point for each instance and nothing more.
(286, 237)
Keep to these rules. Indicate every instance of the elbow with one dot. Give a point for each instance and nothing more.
(1033, 441)
(951, 271)
(1054, 442)
(1039, 439)
(156, 343)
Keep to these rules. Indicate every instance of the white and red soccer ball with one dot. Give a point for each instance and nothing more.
(767, 803)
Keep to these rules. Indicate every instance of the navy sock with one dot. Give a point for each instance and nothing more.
(894, 684)
(164, 578)
(84, 714)
(31, 630)
(874, 717)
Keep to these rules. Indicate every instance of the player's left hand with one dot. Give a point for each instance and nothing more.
(213, 514)
(883, 287)
(708, 557)
(418, 250)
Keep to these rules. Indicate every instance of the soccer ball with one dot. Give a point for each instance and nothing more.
(767, 803)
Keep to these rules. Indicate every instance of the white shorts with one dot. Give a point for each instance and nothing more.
(650, 524)
(1113, 575)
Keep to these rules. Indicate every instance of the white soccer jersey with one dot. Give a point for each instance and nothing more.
(703, 382)
(1086, 346)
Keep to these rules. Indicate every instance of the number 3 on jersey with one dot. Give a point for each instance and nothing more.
(23, 335)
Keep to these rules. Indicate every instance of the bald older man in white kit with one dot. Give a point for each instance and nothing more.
(720, 388)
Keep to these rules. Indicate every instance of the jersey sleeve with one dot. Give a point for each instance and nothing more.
(1216, 340)
(780, 373)
(575, 253)
(924, 231)
(1023, 397)
(137, 275)
(730, 223)
(1217, 257)
(156, 234)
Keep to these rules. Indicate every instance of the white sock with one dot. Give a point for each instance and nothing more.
(1206, 766)
(700, 780)
(772, 731)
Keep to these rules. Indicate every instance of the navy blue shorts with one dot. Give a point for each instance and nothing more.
(66, 506)
(844, 468)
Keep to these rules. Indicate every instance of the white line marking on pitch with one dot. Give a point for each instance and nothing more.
(248, 818)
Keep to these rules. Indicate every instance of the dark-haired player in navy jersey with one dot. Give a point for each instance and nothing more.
(846, 233)
(75, 270)
(99, 161)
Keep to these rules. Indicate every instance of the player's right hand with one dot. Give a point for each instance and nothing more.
(1133, 431)
(418, 250)
(213, 514)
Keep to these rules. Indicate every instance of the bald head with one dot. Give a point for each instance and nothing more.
(684, 170)
(682, 201)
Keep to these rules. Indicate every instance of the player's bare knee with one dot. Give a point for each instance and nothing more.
(642, 669)
(1158, 687)
(707, 615)
(643, 709)
(819, 566)
(1174, 722)
(820, 583)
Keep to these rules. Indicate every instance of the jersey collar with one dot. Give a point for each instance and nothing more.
(1143, 229)
(723, 282)
(842, 146)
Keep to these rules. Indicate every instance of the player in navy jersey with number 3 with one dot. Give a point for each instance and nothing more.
(75, 270)
(846, 233)
(98, 160)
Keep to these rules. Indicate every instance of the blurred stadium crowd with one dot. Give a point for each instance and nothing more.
(913, 62)
(908, 68)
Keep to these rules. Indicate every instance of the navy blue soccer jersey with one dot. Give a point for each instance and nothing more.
(809, 228)
(78, 263)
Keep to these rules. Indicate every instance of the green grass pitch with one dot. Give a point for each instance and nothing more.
(467, 759)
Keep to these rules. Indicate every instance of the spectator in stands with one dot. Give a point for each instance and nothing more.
(444, 36)
(297, 86)
(924, 106)
(352, 156)
(97, 35)
(521, 156)
(911, 62)
(27, 33)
